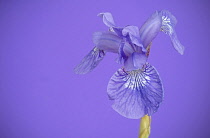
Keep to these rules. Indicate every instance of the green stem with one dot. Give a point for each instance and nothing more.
(145, 127)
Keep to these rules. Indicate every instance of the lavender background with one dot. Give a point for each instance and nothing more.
(42, 41)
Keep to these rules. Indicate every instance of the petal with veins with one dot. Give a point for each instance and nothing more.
(168, 26)
(107, 41)
(90, 61)
(150, 29)
(136, 93)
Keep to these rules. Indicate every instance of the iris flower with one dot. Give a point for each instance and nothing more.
(136, 88)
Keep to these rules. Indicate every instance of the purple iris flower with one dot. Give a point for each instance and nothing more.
(136, 88)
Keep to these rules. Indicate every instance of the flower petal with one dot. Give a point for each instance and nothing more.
(90, 61)
(125, 50)
(107, 19)
(168, 26)
(150, 29)
(107, 41)
(136, 93)
(133, 32)
(176, 43)
(135, 61)
(122, 56)
(118, 31)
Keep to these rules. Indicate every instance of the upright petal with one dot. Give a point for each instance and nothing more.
(125, 51)
(136, 93)
(107, 19)
(90, 61)
(107, 41)
(168, 26)
(122, 56)
(135, 61)
(150, 29)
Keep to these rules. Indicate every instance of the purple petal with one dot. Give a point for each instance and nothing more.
(167, 16)
(107, 41)
(176, 43)
(90, 61)
(107, 19)
(136, 93)
(135, 61)
(168, 26)
(122, 56)
(128, 49)
(118, 31)
(133, 33)
(150, 29)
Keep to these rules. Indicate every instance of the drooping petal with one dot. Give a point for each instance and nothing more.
(168, 17)
(176, 43)
(136, 93)
(90, 61)
(107, 41)
(107, 19)
(168, 26)
(133, 33)
(150, 29)
(135, 61)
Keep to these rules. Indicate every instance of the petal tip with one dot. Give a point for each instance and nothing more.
(182, 51)
(90, 61)
(100, 14)
(107, 19)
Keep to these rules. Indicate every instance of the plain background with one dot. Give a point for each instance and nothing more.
(42, 41)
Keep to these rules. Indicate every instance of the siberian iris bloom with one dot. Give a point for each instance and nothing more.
(136, 89)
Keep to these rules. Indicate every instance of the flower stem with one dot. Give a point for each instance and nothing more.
(145, 127)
